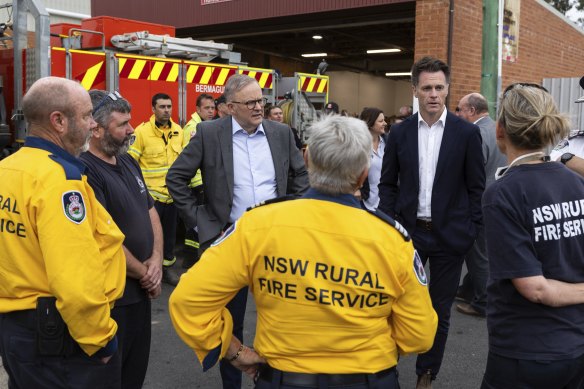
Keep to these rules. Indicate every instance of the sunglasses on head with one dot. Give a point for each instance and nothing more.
(523, 85)
(113, 96)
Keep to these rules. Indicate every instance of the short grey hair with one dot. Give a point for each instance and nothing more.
(339, 150)
(478, 102)
(105, 107)
(236, 83)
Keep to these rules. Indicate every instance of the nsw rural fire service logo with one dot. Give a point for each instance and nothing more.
(419, 269)
(73, 206)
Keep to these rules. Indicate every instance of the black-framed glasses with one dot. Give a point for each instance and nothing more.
(113, 96)
(251, 104)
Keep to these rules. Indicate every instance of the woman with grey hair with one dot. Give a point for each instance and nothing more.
(534, 224)
(339, 292)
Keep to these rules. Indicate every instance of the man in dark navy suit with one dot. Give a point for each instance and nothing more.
(432, 180)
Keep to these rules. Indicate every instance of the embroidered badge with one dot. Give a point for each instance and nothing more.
(73, 206)
(132, 139)
(225, 235)
(140, 184)
(419, 269)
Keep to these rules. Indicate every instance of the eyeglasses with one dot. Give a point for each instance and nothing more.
(523, 85)
(114, 96)
(251, 104)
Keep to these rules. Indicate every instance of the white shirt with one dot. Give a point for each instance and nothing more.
(374, 175)
(429, 141)
(254, 176)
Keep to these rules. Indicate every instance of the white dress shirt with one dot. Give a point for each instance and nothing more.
(429, 141)
(254, 176)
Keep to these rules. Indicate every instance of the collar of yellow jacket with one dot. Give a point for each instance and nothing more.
(162, 130)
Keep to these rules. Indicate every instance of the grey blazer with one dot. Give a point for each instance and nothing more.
(211, 151)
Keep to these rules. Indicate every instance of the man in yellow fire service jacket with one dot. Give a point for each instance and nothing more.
(156, 145)
(61, 259)
(340, 293)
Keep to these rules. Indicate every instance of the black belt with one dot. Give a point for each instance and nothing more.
(26, 318)
(303, 380)
(424, 224)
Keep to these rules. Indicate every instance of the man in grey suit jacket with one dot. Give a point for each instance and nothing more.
(244, 160)
(473, 291)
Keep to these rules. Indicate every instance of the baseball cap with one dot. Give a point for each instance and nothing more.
(331, 107)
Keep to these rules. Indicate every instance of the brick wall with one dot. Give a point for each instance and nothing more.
(549, 47)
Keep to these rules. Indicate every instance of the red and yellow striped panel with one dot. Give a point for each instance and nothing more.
(136, 68)
(88, 68)
(313, 84)
(208, 74)
(263, 77)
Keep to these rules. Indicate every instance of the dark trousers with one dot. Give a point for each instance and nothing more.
(388, 381)
(509, 373)
(474, 284)
(445, 270)
(168, 220)
(26, 369)
(134, 333)
(231, 376)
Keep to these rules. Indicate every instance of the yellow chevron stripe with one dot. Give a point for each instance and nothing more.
(322, 85)
(301, 82)
(191, 71)
(173, 74)
(90, 75)
(121, 63)
(206, 75)
(311, 83)
(223, 76)
(264, 80)
(137, 69)
(156, 70)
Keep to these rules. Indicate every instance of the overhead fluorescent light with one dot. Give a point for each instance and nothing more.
(379, 51)
(398, 74)
(317, 37)
(314, 55)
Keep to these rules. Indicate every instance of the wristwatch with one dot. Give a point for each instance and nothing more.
(566, 157)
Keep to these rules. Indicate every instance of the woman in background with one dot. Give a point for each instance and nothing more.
(375, 121)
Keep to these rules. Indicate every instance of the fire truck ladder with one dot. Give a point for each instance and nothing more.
(144, 43)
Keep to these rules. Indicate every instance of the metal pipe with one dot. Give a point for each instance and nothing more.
(67, 14)
(489, 68)
(450, 34)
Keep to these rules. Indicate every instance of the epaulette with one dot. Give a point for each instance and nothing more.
(273, 201)
(72, 171)
(389, 220)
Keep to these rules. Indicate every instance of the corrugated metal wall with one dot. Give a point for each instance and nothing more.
(565, 91)
(188, 13)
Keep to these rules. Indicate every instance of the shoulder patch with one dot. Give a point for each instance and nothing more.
(419, 269)
(389, 220)
(273, 201)
(72, 172)
(74, 206)
(132, 139)
(225, 235)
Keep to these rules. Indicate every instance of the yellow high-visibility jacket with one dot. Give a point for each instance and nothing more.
(56, 239)
(337, 289)
(156, 149)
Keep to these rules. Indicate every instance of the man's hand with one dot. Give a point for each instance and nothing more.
(153, 277)
(155, 293)
(248, 361)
